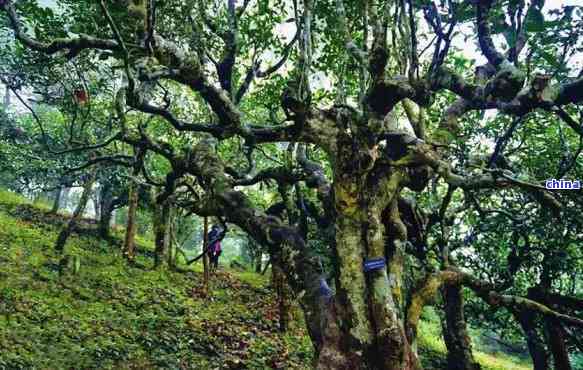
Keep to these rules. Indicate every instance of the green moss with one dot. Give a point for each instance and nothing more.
(110, 315)
(433, 351)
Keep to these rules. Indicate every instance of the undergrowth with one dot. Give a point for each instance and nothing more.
(111, 315)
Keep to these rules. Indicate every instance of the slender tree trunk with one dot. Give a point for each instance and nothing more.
(129, 247)
(57, 200)
(106, 210)
(97, 203)
(161, 220)
(556, 344)
(172, 243)
(282, 291)
(266, 267)
(205, 258)
(7, 98)
(71, 225)
(455, 334)
(258, 262)
(536, 347)
(64, 201)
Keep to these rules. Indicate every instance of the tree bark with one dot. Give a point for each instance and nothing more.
(57, 200)
(106, 210)
(369, 306)
(283, 293)
(161, 220)
(455, 334)
(556, 344)
(258, 262)
(538, 352)
(205, 258)
(72, 224)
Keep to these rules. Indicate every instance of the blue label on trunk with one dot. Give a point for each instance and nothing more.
(374, 264)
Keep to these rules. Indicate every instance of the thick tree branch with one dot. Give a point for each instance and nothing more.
(286, 248)
(428, 288)
(227, 63)
(360, 55)
(281, 175)
(484, 37)
(73, 45)
(119, 159)
(422, 154)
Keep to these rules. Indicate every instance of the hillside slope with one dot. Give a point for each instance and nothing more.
(109, 315)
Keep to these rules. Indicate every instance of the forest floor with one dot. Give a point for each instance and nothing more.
(111, 315)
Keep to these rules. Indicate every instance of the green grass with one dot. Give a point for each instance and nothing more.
(111, 315)
(433, 350)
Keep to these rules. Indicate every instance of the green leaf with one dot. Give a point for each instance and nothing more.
(550, 58)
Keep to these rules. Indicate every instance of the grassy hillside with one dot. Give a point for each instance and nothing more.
(109, 315)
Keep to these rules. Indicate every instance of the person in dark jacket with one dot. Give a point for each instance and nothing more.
(214, 250)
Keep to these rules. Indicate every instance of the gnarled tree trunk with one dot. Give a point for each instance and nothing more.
(369, 305)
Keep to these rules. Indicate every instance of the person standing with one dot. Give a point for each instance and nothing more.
(214, 251)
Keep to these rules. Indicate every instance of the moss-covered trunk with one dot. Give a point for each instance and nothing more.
(129, 247)
(161, 221)
(455, 334)
(368, 303)
(283, 297)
